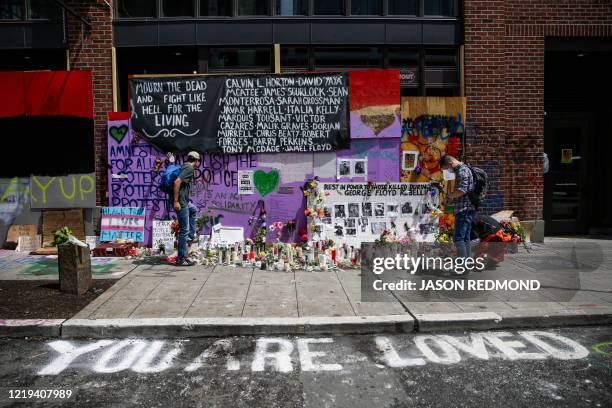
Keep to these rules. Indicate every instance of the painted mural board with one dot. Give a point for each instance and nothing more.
(242, 113)
(71, 191)
(122, 223)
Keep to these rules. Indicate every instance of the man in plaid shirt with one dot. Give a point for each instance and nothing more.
(464, 209)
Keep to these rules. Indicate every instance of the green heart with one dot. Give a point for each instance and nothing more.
(265, 183)
(118, 133)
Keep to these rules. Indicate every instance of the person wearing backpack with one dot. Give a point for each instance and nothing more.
(186, 212)
(464, 208)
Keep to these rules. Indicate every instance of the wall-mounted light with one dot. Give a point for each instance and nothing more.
(177, 53)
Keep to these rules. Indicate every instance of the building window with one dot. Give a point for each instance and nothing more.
(441, 58)
(292, 7)
(366, 7)
(441, 8)
(253, 7)
(347, 57)
(403, 7)
(294, 58)
(402, 57)
(136, 8)
(177, 8)
(215, 8)
(11, 10)
(44, 10)
(328, 7)
(224, 58)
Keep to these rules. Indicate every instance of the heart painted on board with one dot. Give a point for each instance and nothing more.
(118, 132)
(265, 183)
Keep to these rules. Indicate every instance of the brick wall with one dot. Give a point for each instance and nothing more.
(92, 50)
(504, 86)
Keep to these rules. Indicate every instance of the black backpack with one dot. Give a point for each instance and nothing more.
(481, 185)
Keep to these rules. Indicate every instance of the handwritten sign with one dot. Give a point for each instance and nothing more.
(122, 223)
(245, 182)
(162, 235)
(243, 113)
(29, 243)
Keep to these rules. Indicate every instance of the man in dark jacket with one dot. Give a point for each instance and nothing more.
(186, 212)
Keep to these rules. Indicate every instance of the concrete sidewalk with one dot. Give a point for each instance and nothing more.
(158, 300)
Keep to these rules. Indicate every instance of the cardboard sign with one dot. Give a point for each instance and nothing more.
(56, 219)
(122, 223)
(162, 235)
(72, 191)
(28, 243)
(16, 231)
(245, 182)
(222, 235)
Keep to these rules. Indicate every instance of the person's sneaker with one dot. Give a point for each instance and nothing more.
(193, 240)
(185, 262)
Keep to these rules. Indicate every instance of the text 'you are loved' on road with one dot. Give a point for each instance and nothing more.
(286, 355)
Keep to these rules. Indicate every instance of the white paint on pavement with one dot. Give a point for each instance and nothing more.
(144, 363)
(576, 351)
(449, 354)
(509, 348)
(279, 360)
(392, 358)
(68, 353)
(113, 360)
(218, 348)
(306, 356)
(476, 347)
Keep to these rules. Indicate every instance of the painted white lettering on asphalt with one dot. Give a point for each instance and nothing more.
(280, 360)
(449, 354)
(391, 357)
(218, 347)
(477, 347)
(509, 347)
(314, 354)
(143, 365)
(306, 356)
(121, 361)
(577, 351)
(68, 354)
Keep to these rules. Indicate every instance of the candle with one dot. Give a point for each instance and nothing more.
(220, 256)
(289, 253)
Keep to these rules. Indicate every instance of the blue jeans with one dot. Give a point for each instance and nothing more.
(463, 228)
(187, 223)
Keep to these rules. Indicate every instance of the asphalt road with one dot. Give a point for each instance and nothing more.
(564, 367)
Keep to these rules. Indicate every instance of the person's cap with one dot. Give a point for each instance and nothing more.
(193, 155)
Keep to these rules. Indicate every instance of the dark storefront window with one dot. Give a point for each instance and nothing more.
(403, 7)
(294, 58)
(328, 7)
(136, 8)
(11, 10)
(366, 7)
(216, 7)
(177, 8)
(239, 58)
(347, 57)
(440, 7)
(402, 57)
(441, 58)
(292, 7)
(253, 7)
(441, 72)
(43, 9)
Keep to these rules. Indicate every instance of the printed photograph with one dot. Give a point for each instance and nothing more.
(327, 211)
(409, 160)
(378, 227)
(340, 211)
(353, 210)
(364, 221)
(360, 167)
(350, 222)
(326, 220)
(351, 232)
(344, 168)
(366, 209)
(379, 209)
(392, 210)
(339, 230)
(407, 208)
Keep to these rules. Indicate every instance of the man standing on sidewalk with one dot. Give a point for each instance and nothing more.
(185, 211)
(464, 209)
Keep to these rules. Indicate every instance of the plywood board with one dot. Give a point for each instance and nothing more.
(56, 219)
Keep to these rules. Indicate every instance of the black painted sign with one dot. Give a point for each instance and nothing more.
(243, 113)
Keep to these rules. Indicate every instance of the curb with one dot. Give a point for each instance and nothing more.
(567, 317)
(428, 322)
(238, 326)
(14, 328)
